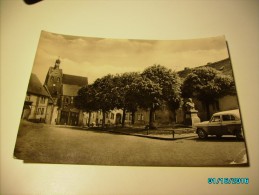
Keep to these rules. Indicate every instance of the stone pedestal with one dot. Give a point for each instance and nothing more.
(191, 118)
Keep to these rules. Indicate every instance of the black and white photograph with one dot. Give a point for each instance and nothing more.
(132, 102)
(129, 97)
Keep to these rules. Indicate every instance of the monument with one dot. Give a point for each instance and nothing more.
(190, 116)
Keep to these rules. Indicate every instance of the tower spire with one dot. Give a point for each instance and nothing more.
(57, 63)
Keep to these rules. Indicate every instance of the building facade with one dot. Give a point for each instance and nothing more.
(36, 101)
(63, 88)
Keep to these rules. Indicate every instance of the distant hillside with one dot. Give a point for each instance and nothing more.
(224, 66)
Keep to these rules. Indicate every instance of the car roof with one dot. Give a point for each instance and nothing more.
(233, 112)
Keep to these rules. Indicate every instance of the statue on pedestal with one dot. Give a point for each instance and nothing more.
(189, 105)
(191, 116)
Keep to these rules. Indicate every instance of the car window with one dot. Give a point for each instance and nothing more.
(228, 118)
(215, 119)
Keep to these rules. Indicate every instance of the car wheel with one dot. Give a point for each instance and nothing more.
(239, 135)
(202, 134)
(218, 136)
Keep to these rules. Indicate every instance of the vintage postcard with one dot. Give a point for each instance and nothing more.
(129, 102)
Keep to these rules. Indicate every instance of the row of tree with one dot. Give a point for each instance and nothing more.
(149, 90)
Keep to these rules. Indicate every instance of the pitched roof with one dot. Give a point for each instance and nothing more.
(223, 65)
(70, 90)
(35, 86)
(74, 80)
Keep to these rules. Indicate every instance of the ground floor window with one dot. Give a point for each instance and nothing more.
(128, 116)
(112, 115)
(140, 117)
(40, 111)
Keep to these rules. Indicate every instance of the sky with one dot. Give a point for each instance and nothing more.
(96, 57)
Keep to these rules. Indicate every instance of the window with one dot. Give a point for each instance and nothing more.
(42, 111)
(140, 117)
(112, 115)
(52, 78)
(67, 100)
(128, 116)
(228, 118)
(38, 110)
(54, 90)
(215, 119)
(58, 80)
(72, 98)
(42, 100)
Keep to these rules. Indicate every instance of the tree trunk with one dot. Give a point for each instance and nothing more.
(151, 119)
(89, 118)
(133, 117)
(208, 110)
(123, 117)
(103, 121)
(174, 116)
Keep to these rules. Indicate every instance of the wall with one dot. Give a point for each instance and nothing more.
(228, 103)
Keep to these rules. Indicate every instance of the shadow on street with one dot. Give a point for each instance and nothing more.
(215, 139)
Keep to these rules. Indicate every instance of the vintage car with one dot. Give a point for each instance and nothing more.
(221, 123)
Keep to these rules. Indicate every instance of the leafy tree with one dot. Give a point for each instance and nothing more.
(155, 86)
(85, 100)
(122, 91)
(131, 104)
(147, 95)
(169, 82)
(105, 96)
(207, 85)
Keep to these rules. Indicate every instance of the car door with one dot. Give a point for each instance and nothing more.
(214, 127)
(229, 124)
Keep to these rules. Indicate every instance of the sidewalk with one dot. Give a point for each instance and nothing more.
(176, 136)
(162, 134)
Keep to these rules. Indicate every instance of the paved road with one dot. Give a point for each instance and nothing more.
(45, 144)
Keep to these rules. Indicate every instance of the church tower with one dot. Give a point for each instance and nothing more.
(53, 79)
